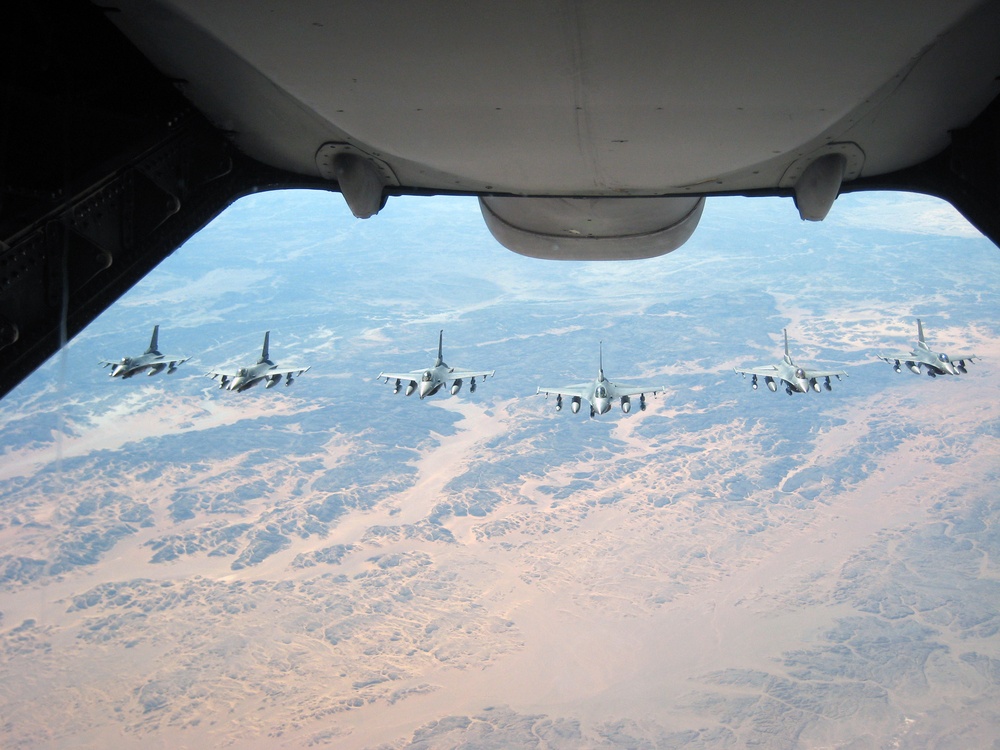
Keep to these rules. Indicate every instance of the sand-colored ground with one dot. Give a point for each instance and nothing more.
(596, 604)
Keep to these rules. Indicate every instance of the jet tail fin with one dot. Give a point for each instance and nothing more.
(600, 360)
(920, 331)
(153, 342)
(788, 356)
(264, 356)
(440, 357)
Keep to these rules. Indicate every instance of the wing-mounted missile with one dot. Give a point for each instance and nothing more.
(827, 384)
(626, 404)
(395, 388)
(753, 382)
(559, 402)
(897, 367)
(642, 402)
(456, 386)
(472, 385)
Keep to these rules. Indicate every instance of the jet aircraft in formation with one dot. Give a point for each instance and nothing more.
(430, 381)
(601, 393)
(262, 370)
(151, 360)
(796, 379)
(934, 363)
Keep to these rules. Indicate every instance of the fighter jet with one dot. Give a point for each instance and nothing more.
(428, 382)
(263, 370)
(151, 360)
(796, 379)
(601, 393)
(935, 363)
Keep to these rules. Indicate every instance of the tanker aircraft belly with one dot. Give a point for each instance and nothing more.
(587, 130)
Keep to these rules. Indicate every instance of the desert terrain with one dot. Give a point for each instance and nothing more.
(330, 565)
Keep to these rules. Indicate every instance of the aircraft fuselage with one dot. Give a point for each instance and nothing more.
(248, 377)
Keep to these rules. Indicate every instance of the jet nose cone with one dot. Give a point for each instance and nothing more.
(603, 406)
(424, 389)
(236, 383)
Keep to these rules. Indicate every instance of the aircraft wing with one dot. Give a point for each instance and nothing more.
(621, 389)
(825, 373)
(893, 356)
(581, 390)
(282, 372)
(224, 375)
(466, 374)
(415, 375)
(174, 360)
(760, 370)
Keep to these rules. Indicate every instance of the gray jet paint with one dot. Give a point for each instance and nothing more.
(151, 360)
(428, 382)
(934, 363)
(796, 379)
(263, 370)
(601, 393)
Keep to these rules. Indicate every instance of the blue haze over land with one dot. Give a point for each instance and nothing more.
(306, 498)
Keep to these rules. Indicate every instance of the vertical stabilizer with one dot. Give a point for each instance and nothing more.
(920, 331)
(153, 343)
(264, 356)
(600, 366)
(788, 356)
(440, 358)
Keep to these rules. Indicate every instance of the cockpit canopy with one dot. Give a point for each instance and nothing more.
(427, 376)
(800, 373)
(943, 357)
(241, 372)
(601, 392)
